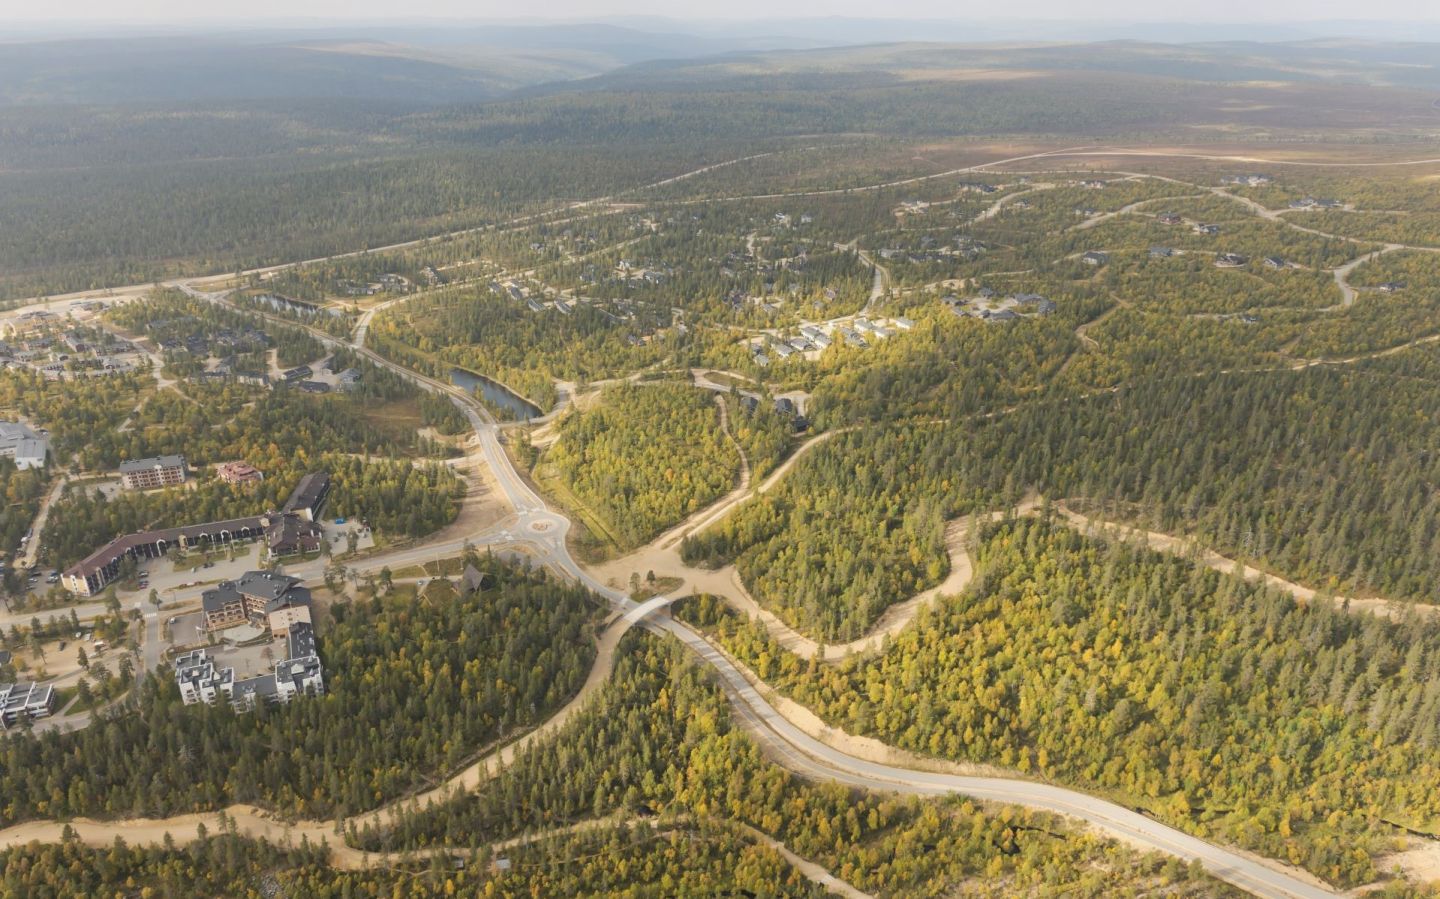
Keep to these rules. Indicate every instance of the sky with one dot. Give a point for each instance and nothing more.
(1200, 11)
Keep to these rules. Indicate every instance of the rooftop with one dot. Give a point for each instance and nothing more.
(308, 492)
(274, 589)
(301, 640)
(172, 461)
(13, 432)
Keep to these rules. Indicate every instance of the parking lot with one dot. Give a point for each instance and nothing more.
(188, 629)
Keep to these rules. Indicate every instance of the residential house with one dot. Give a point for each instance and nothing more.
(347, 380)
(238, 473)
(288, 534)
(473, 580)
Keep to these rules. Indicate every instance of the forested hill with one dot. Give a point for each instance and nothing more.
(208, 156)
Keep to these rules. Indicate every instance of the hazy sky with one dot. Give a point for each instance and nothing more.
(1200, 11)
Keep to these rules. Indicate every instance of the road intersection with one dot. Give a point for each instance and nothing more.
(542, 532)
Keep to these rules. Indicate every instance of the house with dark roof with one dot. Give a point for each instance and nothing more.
(473, 580)
(288, 534)
(308, 497)
(264, 599)
(347, 379)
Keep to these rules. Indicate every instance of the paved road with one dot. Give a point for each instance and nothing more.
(545, 531)
(808, 756)
(32, 548)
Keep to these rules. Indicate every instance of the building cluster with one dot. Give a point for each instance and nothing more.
(988, 306)
(1248, 180)
(813, 338)
(784, 406)
(264, 599)
(291, 531)
(23, 446)
(1316, 203)
(300, 673)
(934, 249)
(37, 343)
(19, 702)
(156, 471)
(390, 282)
(222, 342)
(644, 318)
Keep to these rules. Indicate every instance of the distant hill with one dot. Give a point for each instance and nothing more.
(418, 64)
(171, 69)
(1409, 65)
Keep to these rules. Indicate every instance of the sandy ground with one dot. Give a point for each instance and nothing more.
(57, 663)
(813, 872)
(1419, 861)
(1185, 548)
(484, 505)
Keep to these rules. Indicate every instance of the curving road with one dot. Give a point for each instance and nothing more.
(808, 756)
(545, 530)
